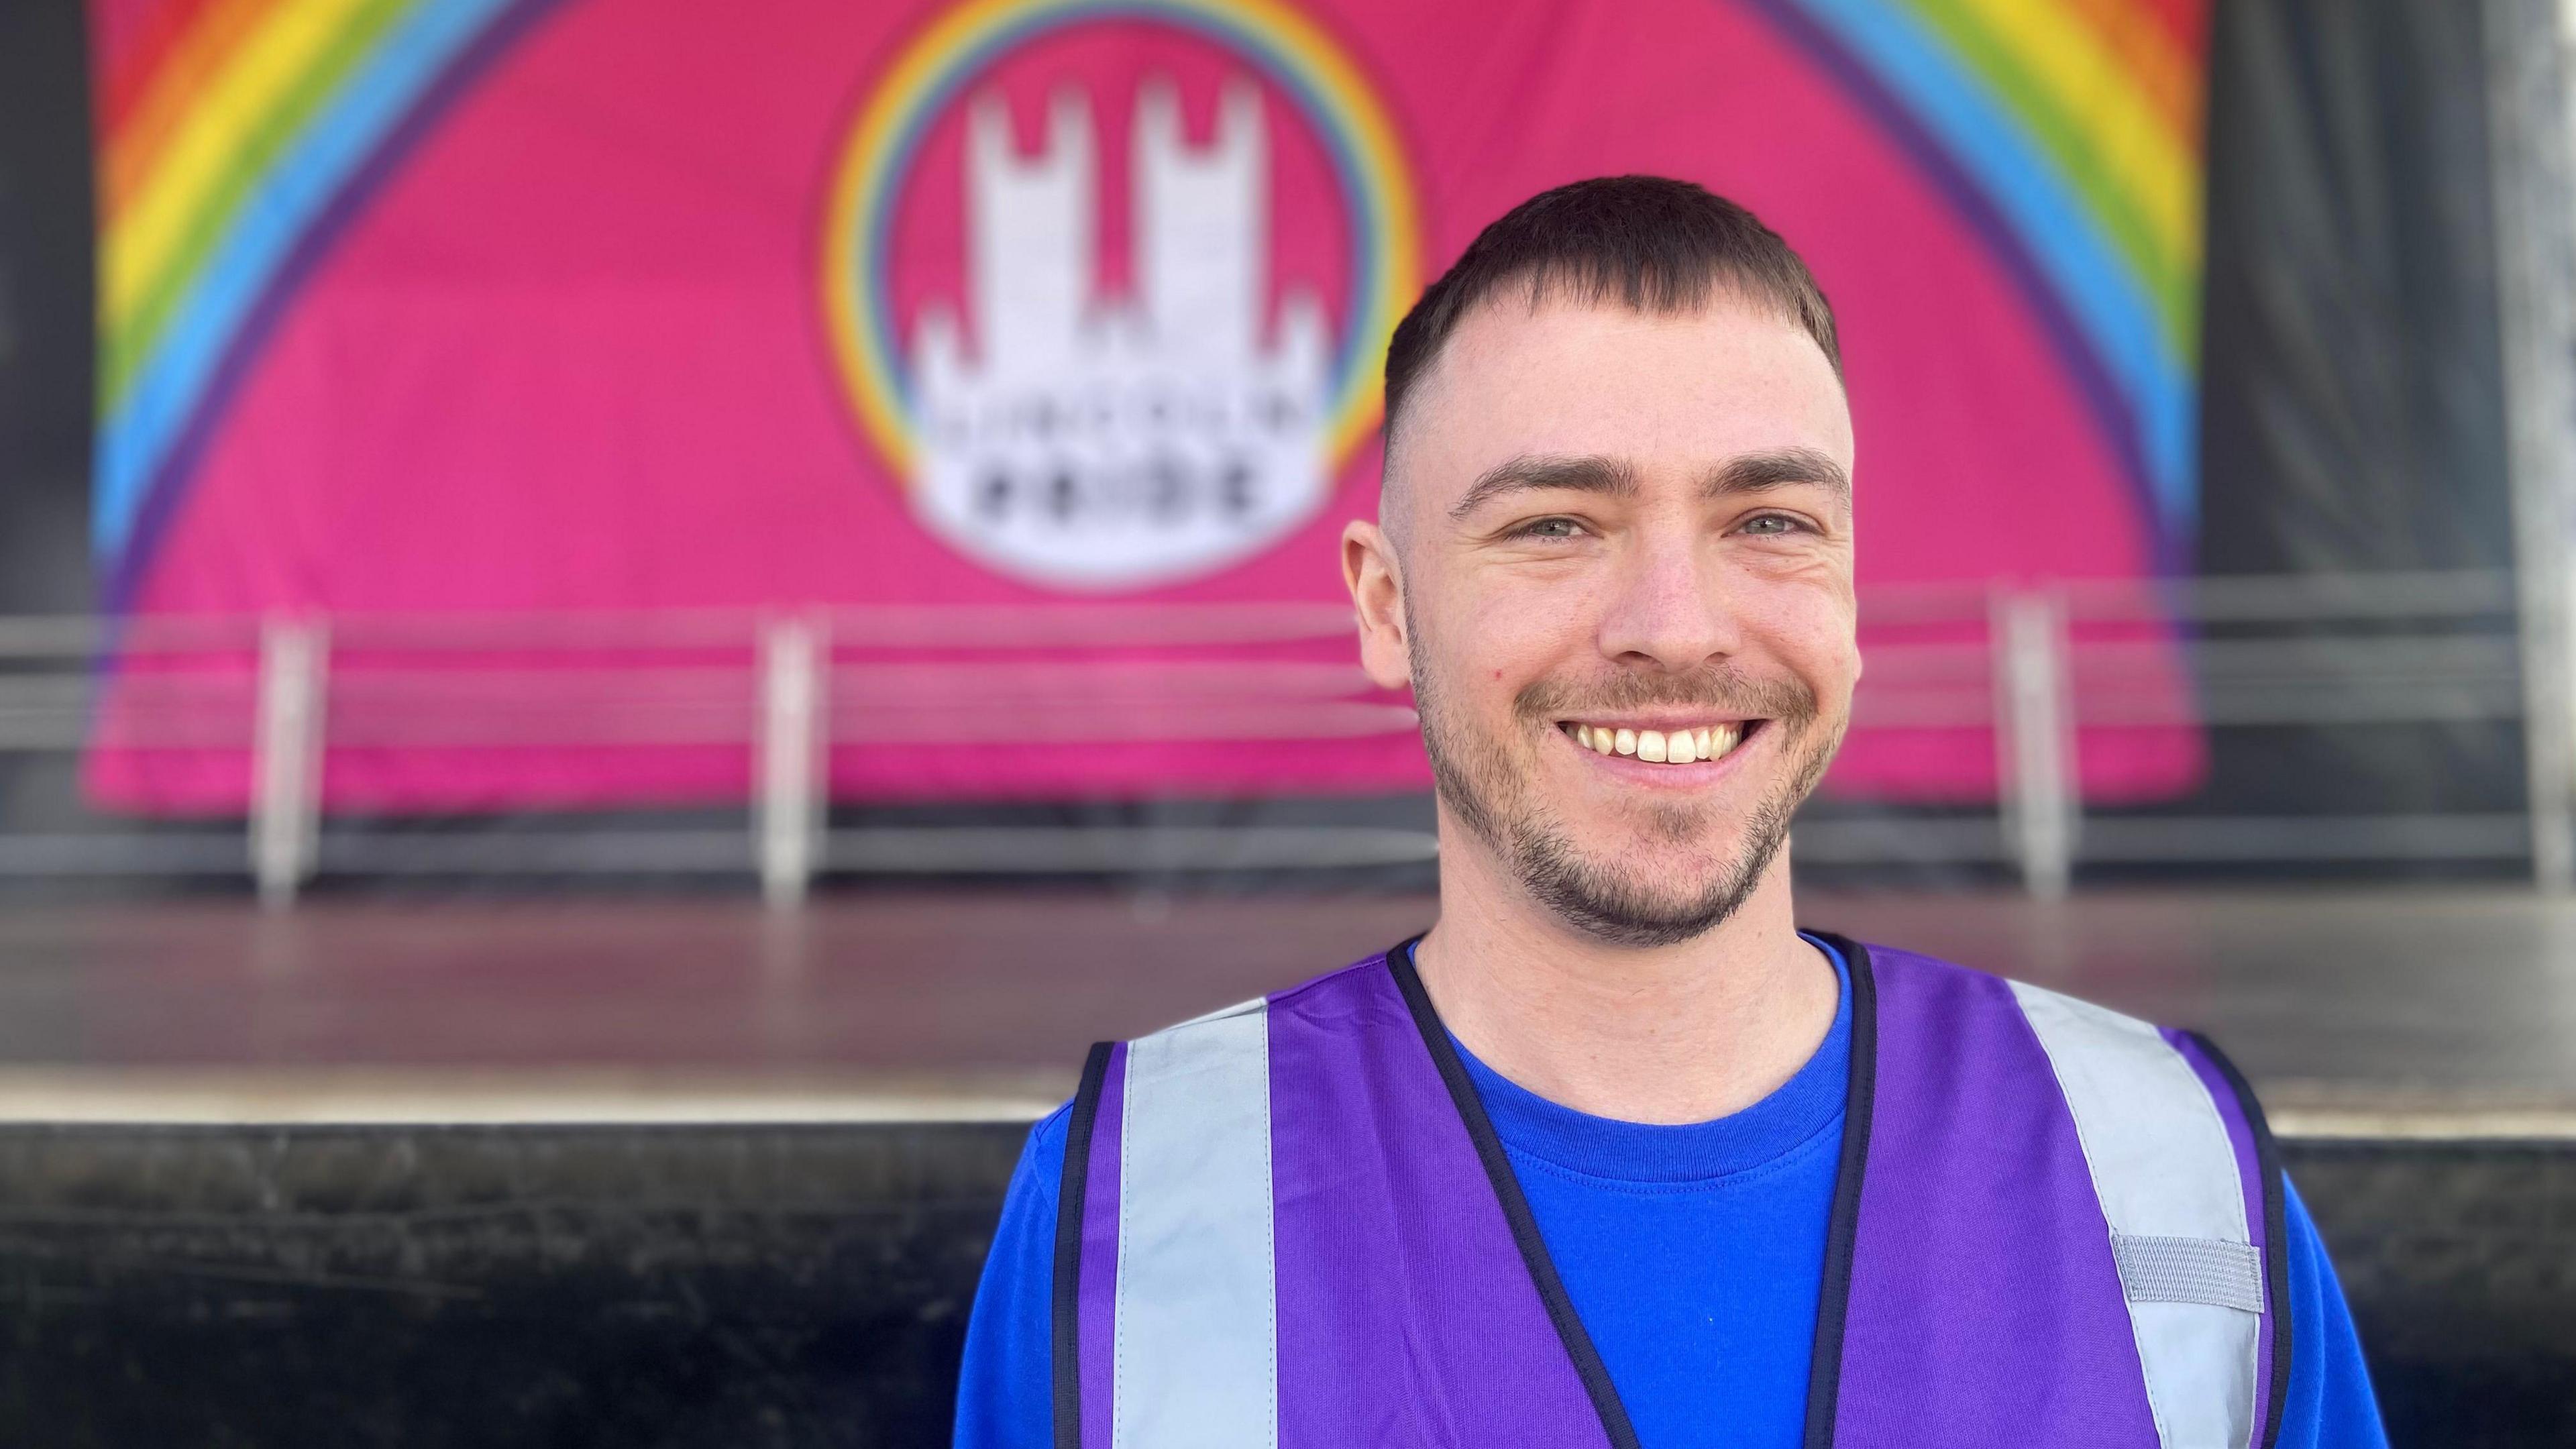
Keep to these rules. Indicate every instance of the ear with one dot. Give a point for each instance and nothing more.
(1377, 593)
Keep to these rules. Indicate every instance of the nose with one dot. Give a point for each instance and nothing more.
(1669, 608)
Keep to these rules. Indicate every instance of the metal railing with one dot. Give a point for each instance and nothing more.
(2060, 662)
(2038, 670)
(276, 700)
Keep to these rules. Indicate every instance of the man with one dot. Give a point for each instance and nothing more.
(1614, 1154)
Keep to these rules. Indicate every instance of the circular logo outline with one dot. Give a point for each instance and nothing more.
(1292, 51)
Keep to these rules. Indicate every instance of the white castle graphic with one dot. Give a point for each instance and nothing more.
(1096, 444)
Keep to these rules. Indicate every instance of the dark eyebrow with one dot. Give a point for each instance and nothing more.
(1779, 468)
(1589, 474)
(1592, 473)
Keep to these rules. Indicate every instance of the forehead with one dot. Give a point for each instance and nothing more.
(1674, 393)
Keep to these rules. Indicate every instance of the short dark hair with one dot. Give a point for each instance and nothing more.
(1650, 243)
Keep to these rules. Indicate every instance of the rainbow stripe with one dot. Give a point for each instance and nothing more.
(237, 139)
(1377, 189)
(2070, 133)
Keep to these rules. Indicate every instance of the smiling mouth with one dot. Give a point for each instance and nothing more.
(1663, 747)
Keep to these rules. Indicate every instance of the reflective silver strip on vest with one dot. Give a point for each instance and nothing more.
(1196, 1337)
(2168, 1182)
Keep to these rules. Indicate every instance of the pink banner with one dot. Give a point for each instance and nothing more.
(1063, 316)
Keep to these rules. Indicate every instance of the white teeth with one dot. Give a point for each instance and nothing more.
(1676, 747)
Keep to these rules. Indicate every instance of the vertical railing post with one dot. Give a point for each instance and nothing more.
(2533, 193)
(795, 664)
(2035, 738)
(286, 757)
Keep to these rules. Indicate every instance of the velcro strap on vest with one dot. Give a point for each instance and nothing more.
(2189, 1270)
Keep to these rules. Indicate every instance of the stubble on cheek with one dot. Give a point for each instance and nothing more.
(1476, 777)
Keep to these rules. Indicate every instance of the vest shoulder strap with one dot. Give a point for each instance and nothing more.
(1171, 1194)
(2171, 1183)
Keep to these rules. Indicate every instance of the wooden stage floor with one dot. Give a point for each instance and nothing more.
(2361, 1013)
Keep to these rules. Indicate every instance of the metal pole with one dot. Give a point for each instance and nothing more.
(794, 664)
(2535, 220)
(2035, 739)
(286, 758)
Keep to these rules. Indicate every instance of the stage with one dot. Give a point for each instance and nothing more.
(2392, 1011)
(655, 1170)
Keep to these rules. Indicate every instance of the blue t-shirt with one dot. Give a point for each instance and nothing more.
(1694, 1254)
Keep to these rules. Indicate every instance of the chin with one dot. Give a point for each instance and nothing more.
(1651, 880)
(1656, 842)
(1634, 913)
(1649, 868)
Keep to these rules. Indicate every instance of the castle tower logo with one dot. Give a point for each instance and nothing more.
(1121, 354)
(1089, 443)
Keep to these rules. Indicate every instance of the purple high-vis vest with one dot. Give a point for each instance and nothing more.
(1291, 1223)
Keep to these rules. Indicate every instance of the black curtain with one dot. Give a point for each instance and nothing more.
(45, 326)
(2353, 401)
(45, 356)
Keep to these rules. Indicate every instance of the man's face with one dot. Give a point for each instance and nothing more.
(1616, 537)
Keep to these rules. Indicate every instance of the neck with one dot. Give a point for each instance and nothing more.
(1668, 1034)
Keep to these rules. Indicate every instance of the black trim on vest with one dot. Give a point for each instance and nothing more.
(1068, 1248)
(1825, 1367)
(2276, 1236)
(1516, 1210)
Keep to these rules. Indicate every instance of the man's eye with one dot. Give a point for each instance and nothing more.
(1550, 528)
(1771, 525)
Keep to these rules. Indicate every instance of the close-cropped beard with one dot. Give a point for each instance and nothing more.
(1483, 786)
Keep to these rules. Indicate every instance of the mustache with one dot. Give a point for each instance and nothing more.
(1719, 689)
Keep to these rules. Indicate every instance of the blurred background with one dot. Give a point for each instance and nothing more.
(625, 623)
